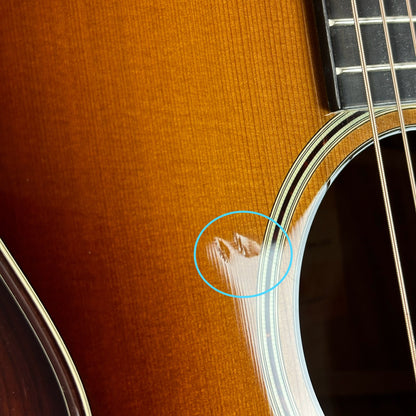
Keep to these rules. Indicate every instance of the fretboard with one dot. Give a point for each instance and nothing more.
(339, 47)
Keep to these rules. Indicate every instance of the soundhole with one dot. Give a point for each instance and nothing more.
(352, 325)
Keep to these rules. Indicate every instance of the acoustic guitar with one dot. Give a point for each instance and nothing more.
(192, 191)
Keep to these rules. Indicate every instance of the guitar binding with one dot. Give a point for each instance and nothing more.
(39, 374)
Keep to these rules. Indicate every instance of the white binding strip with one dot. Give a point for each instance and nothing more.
(374, 68)
(369, 20)
(54, 332)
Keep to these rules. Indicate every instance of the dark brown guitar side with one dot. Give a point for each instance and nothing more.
(38, 377)
(28, 385)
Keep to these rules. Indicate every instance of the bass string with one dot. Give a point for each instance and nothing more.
(412, 26)
(398, 102)
(386, 198)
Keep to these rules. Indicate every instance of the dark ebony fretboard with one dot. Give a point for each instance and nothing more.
(341, 57)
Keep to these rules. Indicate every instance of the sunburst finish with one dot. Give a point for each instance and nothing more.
(125, 128)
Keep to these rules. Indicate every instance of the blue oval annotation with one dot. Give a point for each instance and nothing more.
(243, 212)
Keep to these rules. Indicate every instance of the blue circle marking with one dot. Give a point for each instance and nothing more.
(243, 212)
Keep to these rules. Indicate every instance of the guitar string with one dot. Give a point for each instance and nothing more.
(412, 26)
(390, 222)
(398, 102)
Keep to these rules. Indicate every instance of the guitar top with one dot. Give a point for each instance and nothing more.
(126, 127)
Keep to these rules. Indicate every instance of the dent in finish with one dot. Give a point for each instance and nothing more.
(237, 261)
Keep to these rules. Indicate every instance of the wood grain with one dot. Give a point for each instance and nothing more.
(125, 128)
